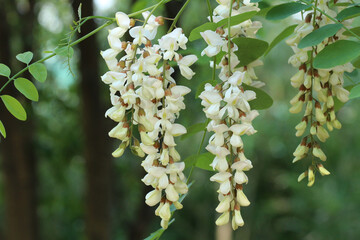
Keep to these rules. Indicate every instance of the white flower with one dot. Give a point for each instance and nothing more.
(140, 35)
(153, 197)
(184, 65)
(114, 38)
(122, 20)
(224, 179)
(214, 42)
(151, 24)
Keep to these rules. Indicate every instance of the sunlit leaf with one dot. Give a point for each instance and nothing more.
(38, 71)
(195, 33)
(25, 57)
(27, 88)
(65, 52)
(4, 70)
(2, 129)
(14, 107)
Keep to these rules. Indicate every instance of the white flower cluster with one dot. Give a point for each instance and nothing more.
(227, 105)
(317, 89)
(144, 94)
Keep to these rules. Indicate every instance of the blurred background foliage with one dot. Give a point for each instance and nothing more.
(281, 208)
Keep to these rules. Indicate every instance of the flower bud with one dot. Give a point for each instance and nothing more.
(223, 219)
(164, 212)
(297, 107)
(171, 194)
(317, 152)
(120, 151)
(323, 171)
(238, 218)
(242, 199)
(302, 176)
(311, 177)
(153, 197)
(160, 20)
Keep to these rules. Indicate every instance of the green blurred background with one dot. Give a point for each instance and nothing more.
(59, 181)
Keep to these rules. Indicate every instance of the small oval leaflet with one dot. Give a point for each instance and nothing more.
(65, 52)
(355, 92)
(285, 10)
(249, 49)
(4, 70)
(338, 53)
(193, 129)
(348, 13)
(2, 129)
(38, 71)
(27, 88)
(283, 35)
(14, 107)
(317, 36)
(262, 101)
(25, 57)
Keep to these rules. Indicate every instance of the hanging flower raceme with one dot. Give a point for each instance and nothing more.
(144, 94)
(317, 89)
(227, 106)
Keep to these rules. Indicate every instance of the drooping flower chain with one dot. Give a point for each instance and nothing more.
(144, 90)
(317, 89)
(227, 106)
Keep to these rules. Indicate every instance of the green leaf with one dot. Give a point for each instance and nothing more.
(195, 33)
(237, 19)
(2, 129)
(14, 107)
(285, 10)
(355, 30)
(201, 87)
(4, 70)
(192, 130)
(356, 62)
(38, 71)
(283, 35)
(337, 103)
(317, 36)
(348, 13)
(249, 49)
(79, 10)
(25, 57)
(155, 235)
(27, 88)
(65, 52)
(355, 92)
(338, 53)
(204, 160)
(262, 101)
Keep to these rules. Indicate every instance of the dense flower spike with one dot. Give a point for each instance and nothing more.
(317, 89)
(144, 94)
(227, 106)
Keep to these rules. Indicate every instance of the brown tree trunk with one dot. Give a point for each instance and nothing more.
(97, 154)
(18, 159)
